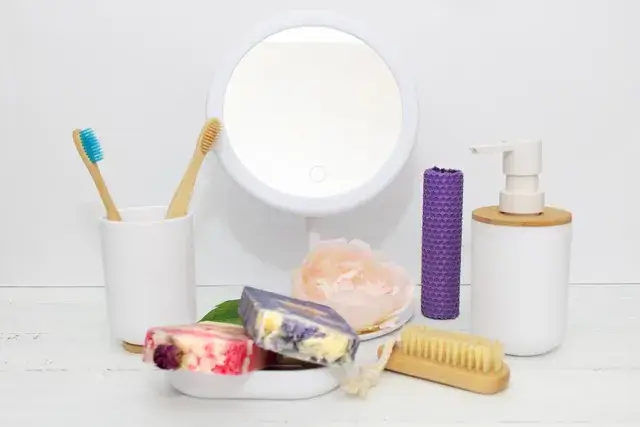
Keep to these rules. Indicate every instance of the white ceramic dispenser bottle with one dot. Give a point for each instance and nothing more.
(520, 258)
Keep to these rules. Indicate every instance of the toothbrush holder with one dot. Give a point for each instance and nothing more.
(149, 272)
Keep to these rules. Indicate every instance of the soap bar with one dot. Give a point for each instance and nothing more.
(299, 329)
(207, 347)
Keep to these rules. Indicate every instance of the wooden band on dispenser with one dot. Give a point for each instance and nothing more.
(548, 218)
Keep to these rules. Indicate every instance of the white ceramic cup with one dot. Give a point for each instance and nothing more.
(149, 271)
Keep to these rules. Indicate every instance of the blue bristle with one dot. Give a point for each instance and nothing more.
(91, 145)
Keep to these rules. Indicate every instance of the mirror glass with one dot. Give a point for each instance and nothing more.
(312, 112)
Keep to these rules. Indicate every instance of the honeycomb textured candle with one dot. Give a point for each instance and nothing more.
(299, 329)
(441, 243)
(206, 347)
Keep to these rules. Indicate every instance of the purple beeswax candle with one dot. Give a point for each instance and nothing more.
(441, 243)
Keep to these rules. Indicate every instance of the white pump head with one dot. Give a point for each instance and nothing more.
(522, 164)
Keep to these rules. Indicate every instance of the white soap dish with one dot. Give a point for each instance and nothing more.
(267, 385)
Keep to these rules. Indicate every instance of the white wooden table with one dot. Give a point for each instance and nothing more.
(58, 367)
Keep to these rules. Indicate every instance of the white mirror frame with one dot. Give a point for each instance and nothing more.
(312, 207)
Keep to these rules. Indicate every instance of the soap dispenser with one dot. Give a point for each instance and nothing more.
(520, 258)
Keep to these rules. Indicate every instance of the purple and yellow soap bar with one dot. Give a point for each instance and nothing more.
(299, 329)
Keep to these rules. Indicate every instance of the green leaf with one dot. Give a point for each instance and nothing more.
(225, 312)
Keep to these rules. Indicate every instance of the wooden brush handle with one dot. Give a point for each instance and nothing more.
(107, 201)
(459, 377)
(112, 211)
(179, 205)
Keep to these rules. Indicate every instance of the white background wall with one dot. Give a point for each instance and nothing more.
(566, 71)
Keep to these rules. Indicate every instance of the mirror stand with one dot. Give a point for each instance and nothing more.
(327, 81)
(313, 234)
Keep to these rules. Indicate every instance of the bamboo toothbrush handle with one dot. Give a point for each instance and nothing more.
(94, 171)
(179, 205)
(109, 205)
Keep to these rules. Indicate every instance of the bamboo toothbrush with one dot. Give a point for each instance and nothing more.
(181, 198)
(88, 147)
(453, 358)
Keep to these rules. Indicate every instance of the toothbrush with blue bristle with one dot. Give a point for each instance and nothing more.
(88, 147)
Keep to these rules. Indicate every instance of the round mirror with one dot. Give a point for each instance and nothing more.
(315, 119)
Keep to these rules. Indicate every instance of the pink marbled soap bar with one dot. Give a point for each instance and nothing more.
(207, 347)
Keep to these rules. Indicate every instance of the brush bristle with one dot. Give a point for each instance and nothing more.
(456, 349)
(209, 135)
(91, 145)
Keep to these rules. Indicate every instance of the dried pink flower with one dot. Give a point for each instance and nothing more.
(349, 277)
